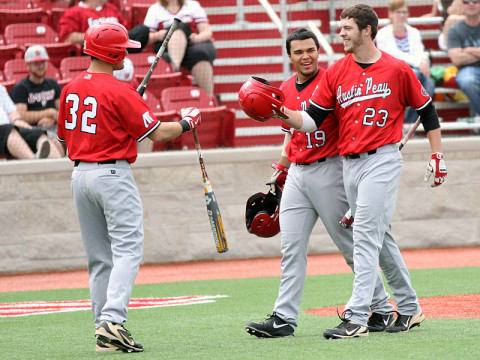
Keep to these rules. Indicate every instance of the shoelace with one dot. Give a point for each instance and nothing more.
(345, 315)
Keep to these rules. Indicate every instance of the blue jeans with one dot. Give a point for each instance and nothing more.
(429, 85)
(468, 80)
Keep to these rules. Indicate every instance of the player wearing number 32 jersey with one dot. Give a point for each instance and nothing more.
(101, 119)
(368, 91)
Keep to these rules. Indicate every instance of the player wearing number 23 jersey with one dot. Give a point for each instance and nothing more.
(368, 91)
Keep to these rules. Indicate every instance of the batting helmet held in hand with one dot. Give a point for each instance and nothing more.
(262, 213)
(258, 99)
(108, 41)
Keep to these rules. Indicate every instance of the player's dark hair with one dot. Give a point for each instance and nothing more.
(363, 15)
(301, 34)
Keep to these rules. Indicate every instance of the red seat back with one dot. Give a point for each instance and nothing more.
(16, 70)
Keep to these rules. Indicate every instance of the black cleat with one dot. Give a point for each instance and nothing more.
(405, 322)
(347, 329)
(379, 322)
(272, 327)
(117, 335)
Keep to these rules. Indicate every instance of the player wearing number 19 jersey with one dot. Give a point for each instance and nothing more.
(313, 189)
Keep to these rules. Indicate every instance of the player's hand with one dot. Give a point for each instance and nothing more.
(437, 167)
(279, 176)
(280, 112)
(192, 116)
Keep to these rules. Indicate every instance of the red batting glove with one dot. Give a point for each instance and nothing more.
(436, 166)
(279, 176)
(192, 116)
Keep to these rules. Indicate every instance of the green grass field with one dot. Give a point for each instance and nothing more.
(216, 330)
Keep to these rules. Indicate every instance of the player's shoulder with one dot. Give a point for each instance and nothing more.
(288, 83)
(390, 59)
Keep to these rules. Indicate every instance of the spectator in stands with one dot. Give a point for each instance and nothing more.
(191, 44)
(17, 138)
(77, 19)
(38, 97)
(436, 8)
(464, 51)
(404, 42)
(453, 15)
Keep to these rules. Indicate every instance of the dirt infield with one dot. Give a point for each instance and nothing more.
(460, 306)
(230, 269)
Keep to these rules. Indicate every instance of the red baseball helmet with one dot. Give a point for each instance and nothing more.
(258, 98)
(262, 213)
(108, 41)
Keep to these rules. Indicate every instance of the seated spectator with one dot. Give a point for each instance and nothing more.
(453, 15)
(77, 19)
(436, 8)
(464, 51)
(17, 138)
(38, 98)
(404, 42)
(191, 44)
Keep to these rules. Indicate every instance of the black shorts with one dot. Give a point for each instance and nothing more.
(29, 135)
(204, 51)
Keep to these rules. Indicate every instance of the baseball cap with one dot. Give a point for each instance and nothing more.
(35, 53)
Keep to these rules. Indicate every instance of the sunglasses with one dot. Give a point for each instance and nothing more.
(466, 2)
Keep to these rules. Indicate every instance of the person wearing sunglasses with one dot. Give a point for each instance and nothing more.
(464, 51)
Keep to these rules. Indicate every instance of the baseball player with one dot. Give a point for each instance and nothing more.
(100, 120)
(368, 91)
(313, 189)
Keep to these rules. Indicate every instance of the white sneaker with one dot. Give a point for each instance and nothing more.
(43, 150)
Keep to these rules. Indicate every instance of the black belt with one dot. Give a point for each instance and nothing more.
(318, 161)
(357, 156)
(98, 162)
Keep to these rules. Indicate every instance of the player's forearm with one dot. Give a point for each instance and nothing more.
(294, 120)
(166, 132)
(434, 137)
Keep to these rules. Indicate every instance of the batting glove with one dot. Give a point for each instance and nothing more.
(279, 176)
(436, 166)
(191, 118)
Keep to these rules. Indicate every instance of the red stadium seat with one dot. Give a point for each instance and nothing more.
(38, 33)
(20, 16)
(72, 66)
(8, 52)
(217, 128)
(163, 76)
(152, 101)
(16, 69)
(55, 13)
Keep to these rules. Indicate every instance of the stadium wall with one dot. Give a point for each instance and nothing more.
(39, 228)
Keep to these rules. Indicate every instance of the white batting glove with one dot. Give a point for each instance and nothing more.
(192, 116)
(436, 166)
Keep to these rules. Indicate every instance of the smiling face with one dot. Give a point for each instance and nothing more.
(399, 16)
(304, 57)
(352, 37)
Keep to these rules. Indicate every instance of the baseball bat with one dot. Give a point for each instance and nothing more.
(143, 85)
(347, 219)
(213, 210)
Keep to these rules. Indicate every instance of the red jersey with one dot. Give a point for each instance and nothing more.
(369, 103)
(79, 18)
(101, 118)
(306, 148)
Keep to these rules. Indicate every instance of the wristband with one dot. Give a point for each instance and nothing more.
(185, 125)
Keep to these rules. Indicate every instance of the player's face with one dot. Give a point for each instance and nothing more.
(38, 68)
(352, 37)
(304, 57)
